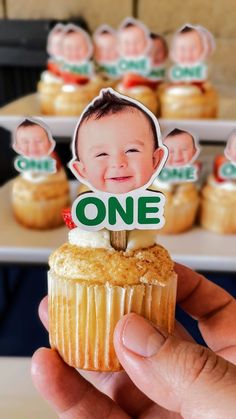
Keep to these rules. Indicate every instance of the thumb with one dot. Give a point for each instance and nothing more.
(179, 375)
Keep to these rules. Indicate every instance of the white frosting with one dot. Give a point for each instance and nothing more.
(184, 90)
(36, 177)
(69, 88)
(48, 77)
(166, 186)
(227, 185)
(95, 239)
(137, 239)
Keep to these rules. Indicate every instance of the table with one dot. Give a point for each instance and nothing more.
(18, 397)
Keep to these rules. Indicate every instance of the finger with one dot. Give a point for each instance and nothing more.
(43, 311)
(70, 395)
(178, 375)
(214, 308)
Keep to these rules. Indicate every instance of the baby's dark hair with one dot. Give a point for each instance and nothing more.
(28, 123)
(187, 29)
(178, 131)
(110, 104)
(129, 25)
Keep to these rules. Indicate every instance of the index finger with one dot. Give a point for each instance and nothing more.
(212, 306)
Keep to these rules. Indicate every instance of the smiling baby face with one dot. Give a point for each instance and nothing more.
(117, 153)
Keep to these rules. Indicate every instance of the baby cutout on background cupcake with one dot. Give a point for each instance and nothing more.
(158, 55)
(225, 165)
(77, 49)
(183, 151)
(106, 51)
(134, 45)
(34, 142)
(117, 153)
(54, 49)
(191, 47)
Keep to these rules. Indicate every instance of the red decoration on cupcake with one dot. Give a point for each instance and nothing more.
(66, 215)
(132, 80)
(218, 162)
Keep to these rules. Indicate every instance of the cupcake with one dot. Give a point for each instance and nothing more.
(37, 200)
(217, 212)
(48, 88)
(188, 101)
(91, 286)
(182, 202)
(143, 94)
(189, 95)
(72, 99)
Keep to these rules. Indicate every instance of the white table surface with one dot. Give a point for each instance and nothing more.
(197, 248)
(18, 397)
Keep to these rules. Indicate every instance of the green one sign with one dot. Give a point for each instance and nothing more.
(178, 174)
(228, 171)
(85, 69)
(25, 164)
(157, 73)
(187, 73)
(139, 66)
(93, 212)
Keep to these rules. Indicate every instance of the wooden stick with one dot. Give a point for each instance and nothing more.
(118, 239)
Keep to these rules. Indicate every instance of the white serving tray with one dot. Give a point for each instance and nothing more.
(196, 248)
(211, 130)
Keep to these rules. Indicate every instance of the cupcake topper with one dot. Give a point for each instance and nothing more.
(158, 55)
(117, 153)
(54, 49)
(225, 166)
(191, 47)
(77, 51)
(34, 142)
(183, 150)
(105, 51)
(134, 45)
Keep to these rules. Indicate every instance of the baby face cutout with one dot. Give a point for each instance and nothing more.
(189, 46)
(182, 148)
(105, 42)
(118, 151)
(159, 50)
(55, 39)
(230, 149)
(33, 140)
(133, 39)
(77, 46)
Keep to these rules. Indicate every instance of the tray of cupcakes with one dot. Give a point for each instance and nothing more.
(172, 81)
(199, 225)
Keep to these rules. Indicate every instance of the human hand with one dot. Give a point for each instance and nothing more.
(163, 374)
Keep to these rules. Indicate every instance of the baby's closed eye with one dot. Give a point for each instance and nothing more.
(132, 150)
(101, 154)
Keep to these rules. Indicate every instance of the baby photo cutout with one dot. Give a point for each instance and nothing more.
(158, 56)
(54, 49)
(134, 46)
(117, 153)
(181, 165)
(106, 51)
(225, 166)
(191, 47)
(77, 51)
(34, 143)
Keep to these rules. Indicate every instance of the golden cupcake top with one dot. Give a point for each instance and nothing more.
(151, 265)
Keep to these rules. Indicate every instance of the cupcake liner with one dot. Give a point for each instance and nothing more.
(82, 317)
(41, 214)
(179, 216)
(218, 217)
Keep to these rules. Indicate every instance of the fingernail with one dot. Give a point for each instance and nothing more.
(140, 337)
